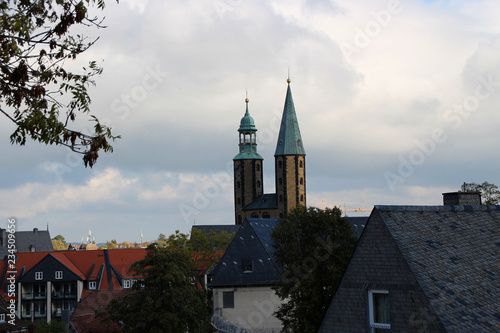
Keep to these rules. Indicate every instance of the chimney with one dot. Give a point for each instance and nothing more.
(35, 231)
(462, 198)
(3, 235)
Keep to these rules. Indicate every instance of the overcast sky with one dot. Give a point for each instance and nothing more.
(397, 102)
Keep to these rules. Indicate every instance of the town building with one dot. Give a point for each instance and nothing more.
(423, 269)
(25, 241)
(250, 201)
(50, 284)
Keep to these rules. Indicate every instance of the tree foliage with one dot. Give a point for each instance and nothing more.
(113, 244)
(171, 297)
(59, 243)
(167, 300)
(490, 194)
(38, 90)
(313, 247)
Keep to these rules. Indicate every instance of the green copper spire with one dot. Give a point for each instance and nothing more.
(289, 140)
(248, 138)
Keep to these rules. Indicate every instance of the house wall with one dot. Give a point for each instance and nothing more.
(253, 307)
(377, 264)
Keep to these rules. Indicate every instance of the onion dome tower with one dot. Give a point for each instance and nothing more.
(248, 178)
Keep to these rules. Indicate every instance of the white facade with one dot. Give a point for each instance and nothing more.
(253, 307)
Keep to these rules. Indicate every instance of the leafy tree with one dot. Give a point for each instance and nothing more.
(313, 247)
(55, 326)
(109, 245)
(39, 91)
(171, 298)
(167, 300)
(490, 194)
(59, 243)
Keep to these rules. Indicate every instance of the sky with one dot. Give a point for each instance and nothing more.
(397, 102)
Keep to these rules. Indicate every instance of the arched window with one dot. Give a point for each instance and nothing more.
(280, 164)
(301, 164)
(258, 184)
(281, 198)
(239, 201)
(301, 181)
(254, 215)
(301, 197)
(257, 167)
(266, 215)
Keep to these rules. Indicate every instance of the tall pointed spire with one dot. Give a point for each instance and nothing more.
(289, 139)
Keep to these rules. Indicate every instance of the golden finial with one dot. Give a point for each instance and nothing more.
(288, 80)
(246, 99)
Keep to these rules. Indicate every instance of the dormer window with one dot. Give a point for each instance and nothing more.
(127, 284)
(247, 265)
(92, 285)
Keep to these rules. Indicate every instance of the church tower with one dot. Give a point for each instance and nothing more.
(248, 179)
(290, 162)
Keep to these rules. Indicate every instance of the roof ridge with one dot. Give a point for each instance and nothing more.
(440, 208)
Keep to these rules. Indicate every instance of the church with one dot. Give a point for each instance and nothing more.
(250, 201)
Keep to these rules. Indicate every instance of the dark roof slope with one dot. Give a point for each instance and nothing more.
(27, 241)
(263, 201)
(454, 252)
(251, 245)
(358, 224)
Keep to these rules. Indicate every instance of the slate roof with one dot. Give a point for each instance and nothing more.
(289, 139)
(358, 224)
(27, 241)
(263, 201)
(454, 252)
(252, 243)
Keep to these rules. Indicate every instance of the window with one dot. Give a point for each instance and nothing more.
(280, 181)
(301, 164)
(257, 167)
(254, 215)
(280, 164)
(228, 299)
(379, 310)
(127, 284)
(247, 265)
(59, 275)
(92, 285)
(266, 215)
(301, 197)
(2, 317)
(258, 184)
(301, 181)
(38, 275)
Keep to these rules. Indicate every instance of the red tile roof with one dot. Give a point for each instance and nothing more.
(83, 317)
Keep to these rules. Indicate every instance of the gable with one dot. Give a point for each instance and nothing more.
(246, 249)
(48, 266)
(454, 252)
(378, 264)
